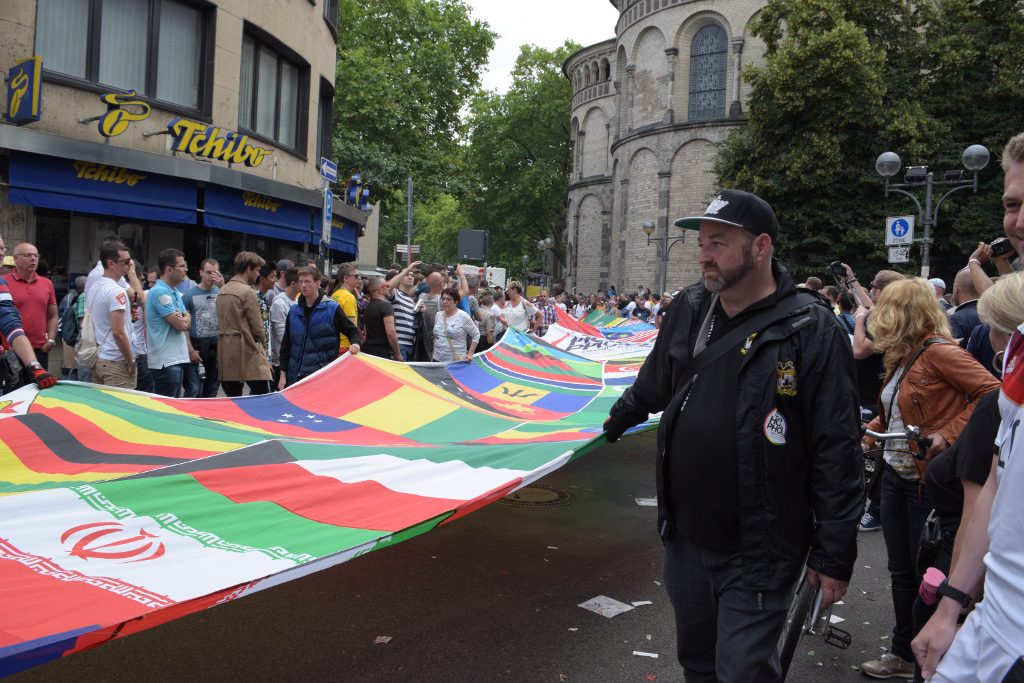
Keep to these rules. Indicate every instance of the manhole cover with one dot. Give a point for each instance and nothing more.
(539, 496)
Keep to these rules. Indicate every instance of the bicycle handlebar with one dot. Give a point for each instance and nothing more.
(910, 433)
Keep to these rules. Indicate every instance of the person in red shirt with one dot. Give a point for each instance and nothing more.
(35, 300)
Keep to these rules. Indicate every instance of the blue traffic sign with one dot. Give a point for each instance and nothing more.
(899, 230)
(328, 205)
(329, 170)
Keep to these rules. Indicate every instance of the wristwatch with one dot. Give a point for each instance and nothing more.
(35, 365)
(954, 594)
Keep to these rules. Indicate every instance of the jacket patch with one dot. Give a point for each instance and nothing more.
(775, 427)
(785, 378)
(747, 344)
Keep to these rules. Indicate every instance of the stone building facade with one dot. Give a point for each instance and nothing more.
(648, 108)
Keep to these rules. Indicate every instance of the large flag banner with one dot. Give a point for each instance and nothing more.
(120, 510)
(597, 348)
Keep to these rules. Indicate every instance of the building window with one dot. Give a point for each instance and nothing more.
(325, 120)
(154, 47)
(272, 93)
(708, 63)
(331, 13)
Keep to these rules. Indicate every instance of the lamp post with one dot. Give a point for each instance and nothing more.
(887, 165)
(526, 272)
(664, 245)
(545, 245)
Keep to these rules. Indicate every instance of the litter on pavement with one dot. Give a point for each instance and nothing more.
(605, 606)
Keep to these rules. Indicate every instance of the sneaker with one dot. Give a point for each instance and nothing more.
(869, 523)
(889, 666)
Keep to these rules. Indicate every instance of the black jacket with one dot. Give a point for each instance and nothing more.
(802, 494)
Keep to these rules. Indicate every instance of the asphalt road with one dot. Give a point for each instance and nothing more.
(491, 597)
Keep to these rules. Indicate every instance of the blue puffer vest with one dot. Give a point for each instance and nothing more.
(314, 340)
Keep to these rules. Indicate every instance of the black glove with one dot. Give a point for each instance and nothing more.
(43, 379)
(612, 431)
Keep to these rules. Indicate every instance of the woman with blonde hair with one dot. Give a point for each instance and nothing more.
(931, 383)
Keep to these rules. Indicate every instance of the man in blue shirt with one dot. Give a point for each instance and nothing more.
(167, 326)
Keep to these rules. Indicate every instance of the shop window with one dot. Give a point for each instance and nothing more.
(157, 48)
(272, 93)
(325, 120)
(708, 64)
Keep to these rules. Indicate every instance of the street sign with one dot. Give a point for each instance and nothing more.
(899, 230)
(329, 170)
(899, 254)
(328, 212)
(402, 251)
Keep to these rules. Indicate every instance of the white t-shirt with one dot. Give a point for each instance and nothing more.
(108, 296)
(1002, 609)
(519, 317)
(95, 276)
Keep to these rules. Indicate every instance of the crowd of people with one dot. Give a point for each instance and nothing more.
(265, 326)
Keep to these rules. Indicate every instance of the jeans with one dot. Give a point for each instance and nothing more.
(205, 387)
(406, 350)
(905, 507)
(724, 632)
(168, 381)
(143, 377)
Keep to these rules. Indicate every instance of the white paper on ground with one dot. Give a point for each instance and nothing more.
(637, 603)
(647, 502)
(833, 619)
(605, 606)
(653, 655)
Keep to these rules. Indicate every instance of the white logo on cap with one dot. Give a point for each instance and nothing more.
(716, 205)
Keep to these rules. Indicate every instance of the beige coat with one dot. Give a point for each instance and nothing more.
(240, 354)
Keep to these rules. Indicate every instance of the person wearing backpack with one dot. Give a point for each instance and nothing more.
(69, 327)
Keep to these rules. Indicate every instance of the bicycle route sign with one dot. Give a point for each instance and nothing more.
(899, 230)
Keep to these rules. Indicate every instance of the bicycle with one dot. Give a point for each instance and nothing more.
(805, 611)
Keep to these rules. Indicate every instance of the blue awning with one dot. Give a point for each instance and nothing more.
(257, 214)
(344, 236)
(90, 187)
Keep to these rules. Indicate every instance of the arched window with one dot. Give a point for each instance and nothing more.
(606, 70)
(708, 64)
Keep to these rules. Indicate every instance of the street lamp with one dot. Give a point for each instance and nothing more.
(664, 245)
(545, 245)
(887, 165)
(526, 272)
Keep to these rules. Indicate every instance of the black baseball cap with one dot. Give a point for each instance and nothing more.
(739, 209)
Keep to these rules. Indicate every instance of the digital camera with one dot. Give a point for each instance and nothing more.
(837, 271)
(1000, 247)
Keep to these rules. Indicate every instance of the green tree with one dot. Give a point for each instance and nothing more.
(844, 80)
(406, 70)
(518, 158)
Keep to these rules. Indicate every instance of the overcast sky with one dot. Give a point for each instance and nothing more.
(545, 23)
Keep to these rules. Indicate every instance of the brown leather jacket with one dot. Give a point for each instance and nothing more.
(939, 393)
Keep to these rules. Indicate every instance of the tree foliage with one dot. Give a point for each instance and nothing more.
(518, 158)
(844, 80)
(406, 72)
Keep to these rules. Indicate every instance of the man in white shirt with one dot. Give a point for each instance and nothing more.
(109, 308)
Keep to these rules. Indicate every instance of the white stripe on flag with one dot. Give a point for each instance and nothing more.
(454, 479)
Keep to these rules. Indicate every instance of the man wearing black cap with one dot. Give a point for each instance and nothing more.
(758, 465)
